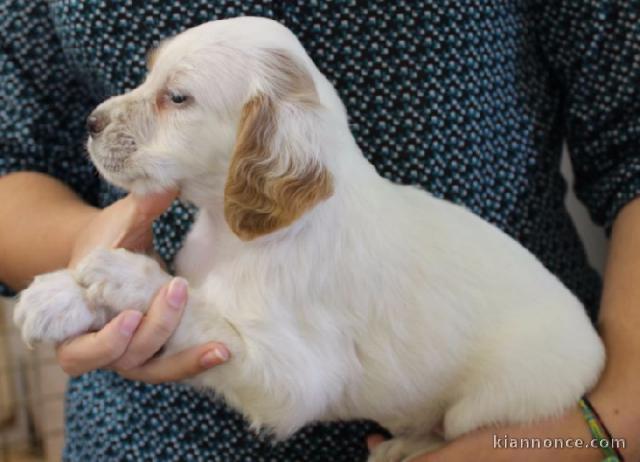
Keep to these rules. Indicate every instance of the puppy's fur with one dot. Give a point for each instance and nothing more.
(340, 294)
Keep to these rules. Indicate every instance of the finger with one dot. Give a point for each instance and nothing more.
(141, 212)
(151, 206)
(135, 238)
(179, 366)
(157, 326)
(374, 440)
(97, 349)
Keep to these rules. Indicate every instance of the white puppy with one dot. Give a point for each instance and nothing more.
(339, 294)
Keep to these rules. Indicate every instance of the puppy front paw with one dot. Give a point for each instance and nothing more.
(117, 279)
(53, 308)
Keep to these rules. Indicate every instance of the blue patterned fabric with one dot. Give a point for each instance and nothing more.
(470, 100)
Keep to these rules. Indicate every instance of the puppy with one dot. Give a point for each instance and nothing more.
(339, 294)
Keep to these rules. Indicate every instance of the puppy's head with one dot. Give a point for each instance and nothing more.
(230, 113)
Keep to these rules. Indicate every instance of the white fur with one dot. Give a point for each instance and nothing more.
(382, 302)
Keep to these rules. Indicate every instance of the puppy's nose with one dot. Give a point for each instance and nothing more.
(97, 122)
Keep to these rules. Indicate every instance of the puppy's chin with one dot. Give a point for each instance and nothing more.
(131, 177)
(140, 175)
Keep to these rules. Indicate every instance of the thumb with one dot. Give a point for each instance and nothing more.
(374, 440)
(141, 212)
(150, 206)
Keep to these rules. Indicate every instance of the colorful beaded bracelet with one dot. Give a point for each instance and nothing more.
(599, 432)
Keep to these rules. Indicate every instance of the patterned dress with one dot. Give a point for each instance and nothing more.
(471, 100)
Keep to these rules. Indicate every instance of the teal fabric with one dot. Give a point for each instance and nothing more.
(470, 100)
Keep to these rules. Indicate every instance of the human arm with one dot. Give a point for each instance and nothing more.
(43, 219)
(616, 396)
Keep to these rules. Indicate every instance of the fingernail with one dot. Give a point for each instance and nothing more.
(177, 293)
(215, 356)
(130, 323)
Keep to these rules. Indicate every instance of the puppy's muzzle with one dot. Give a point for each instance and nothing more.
(97, 122)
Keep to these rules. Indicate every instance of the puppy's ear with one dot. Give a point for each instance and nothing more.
(276, 173)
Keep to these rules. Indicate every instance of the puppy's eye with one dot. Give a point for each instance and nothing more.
(178, 98)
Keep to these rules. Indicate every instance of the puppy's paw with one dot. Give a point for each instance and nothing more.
(53, 308)
(403, 449)
(119, 280)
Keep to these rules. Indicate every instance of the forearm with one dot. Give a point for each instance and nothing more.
(40, 220)
(617, 393)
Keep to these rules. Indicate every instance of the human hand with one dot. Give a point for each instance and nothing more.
(128, 342)
(490, 445)
(125, 223)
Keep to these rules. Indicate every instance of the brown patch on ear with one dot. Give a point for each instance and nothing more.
(258, 200)
(290, 80)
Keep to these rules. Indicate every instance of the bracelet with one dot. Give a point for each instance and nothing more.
(599, 431)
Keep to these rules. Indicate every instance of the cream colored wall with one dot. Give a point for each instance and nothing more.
(592, 235)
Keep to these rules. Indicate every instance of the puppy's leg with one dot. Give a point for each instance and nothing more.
(404, 448)
(273, 375)
(541, 375)
(275, 383)
(54, 308)
(120, 280)
(66, 303)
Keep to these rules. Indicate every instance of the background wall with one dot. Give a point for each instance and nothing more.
(592, 235)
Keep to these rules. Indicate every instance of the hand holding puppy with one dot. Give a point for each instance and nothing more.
(130, 340)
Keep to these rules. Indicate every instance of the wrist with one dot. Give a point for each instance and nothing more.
(620, 413)
(78, 225)
(620, 380)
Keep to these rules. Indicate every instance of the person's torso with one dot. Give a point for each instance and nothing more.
(450, 95)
